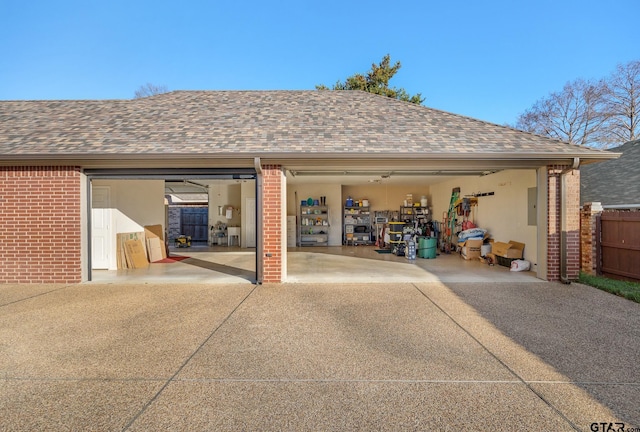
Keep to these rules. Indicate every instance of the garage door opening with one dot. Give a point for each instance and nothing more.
(360, 203)
(174, 226)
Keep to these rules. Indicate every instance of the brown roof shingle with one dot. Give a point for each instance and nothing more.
(613, 182)
(255, 122)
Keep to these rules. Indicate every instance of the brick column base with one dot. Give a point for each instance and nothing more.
(273, 223)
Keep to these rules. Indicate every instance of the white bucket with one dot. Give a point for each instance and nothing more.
(365, 203)
(423, 201)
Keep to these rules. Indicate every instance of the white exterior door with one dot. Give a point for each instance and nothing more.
(100, 227)
(250, 222)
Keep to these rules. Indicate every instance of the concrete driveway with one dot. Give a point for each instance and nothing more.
(406, 356)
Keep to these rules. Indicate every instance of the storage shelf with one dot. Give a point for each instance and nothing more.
(313, 225)
(357, 225)
(414, 213)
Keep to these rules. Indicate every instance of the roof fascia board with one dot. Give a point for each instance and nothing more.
(416, 164)
(126, 161)
(171, 173)
(307, 159)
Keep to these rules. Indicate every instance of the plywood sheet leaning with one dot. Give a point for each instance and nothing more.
(155, 248)
(155, 231)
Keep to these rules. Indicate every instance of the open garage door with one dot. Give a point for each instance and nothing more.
(198, 216)
(502, 201)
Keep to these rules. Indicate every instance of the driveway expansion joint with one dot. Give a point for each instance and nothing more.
(35, 296)
(500, 361)
(184, 364)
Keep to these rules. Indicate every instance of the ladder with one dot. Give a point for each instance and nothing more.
(449, 222)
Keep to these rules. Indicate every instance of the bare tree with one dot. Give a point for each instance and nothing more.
(149, 90)
(622, 105)
(574, 115)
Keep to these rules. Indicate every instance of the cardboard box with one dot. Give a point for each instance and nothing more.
(121, 253)
(135, 254)
(471, 248)
(513, 249)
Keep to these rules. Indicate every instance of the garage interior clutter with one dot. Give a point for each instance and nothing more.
(412, 230)
(481, 226)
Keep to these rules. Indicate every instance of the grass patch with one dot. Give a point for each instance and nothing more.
(626, 289)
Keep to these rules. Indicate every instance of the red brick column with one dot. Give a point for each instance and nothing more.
(553, 223)
(273, 217)
(40, 225)
(572, 222)
(588, 237)
(572, 203)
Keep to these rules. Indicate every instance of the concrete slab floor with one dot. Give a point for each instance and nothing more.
(402, 356)
(334, 264)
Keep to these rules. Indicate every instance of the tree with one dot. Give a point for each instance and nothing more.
(376, 81)
(598, 114)
(575, 115)
(622, 104)
(150, 90)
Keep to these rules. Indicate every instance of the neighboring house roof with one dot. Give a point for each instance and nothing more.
(260, 124)
(613, 182)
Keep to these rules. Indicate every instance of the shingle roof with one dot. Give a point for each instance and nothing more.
(613, 182)
(255, 123)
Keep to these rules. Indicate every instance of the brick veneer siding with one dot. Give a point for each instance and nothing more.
(272, 223)
(572, 222)
(588, 237)
(40, 225)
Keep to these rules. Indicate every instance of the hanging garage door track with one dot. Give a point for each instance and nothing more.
(405, 356)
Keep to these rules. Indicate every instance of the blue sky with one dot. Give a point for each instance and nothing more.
(485, 59)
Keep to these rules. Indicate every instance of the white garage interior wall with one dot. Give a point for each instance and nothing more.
(225, 195)
(134, 204)
(504, 215)
(247, 192)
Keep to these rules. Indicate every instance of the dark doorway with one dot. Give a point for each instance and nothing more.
(194, 222)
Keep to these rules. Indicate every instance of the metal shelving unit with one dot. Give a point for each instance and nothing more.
(357, 225)
(413, 214)
(313, 226)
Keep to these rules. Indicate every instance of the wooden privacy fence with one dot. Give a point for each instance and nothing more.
(618, 244)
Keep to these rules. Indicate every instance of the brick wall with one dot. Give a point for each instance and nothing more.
(588, 237)
(553, 223)
(572, 223)
(40, 225)
(273, 223)
(572, 203)
(174, 222)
